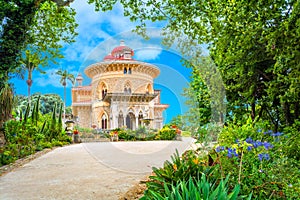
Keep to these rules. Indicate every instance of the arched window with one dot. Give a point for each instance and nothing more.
(149, 89)
(104, 92)
(125, 70)
(140, 118)
(101, 90)
(104, 122)
(120, 120)
(127, 89)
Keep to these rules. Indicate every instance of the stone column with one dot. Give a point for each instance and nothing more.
(124, 120)
(136, 121)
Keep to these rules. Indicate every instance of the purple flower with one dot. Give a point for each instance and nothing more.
(259, 143)
(249, 148)
(268, 132)
(254, 144)
(231, 152)
(220, 148)
(267, 145)
(249, 140)
(262, 156)
(259, 130)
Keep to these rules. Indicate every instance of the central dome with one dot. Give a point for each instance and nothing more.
(121, 52)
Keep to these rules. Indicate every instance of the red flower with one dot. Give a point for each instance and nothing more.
(173, 126)
(75, 132)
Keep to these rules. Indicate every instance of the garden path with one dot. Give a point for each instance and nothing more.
(103, 170)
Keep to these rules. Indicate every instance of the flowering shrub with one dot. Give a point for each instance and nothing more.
(254, 158)
(180, 168)
(166, 133)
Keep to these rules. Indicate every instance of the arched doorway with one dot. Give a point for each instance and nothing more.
(130, 121)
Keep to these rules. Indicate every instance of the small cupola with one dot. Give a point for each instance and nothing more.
(79, 80)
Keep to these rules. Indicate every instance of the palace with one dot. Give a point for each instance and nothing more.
(120, 95)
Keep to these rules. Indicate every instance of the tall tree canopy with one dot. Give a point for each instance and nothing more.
(255, 45)
(40, 26)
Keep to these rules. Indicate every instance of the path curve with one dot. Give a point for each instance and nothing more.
(88, 171)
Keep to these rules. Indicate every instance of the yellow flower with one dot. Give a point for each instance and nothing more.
(175, 167)
(196, 161)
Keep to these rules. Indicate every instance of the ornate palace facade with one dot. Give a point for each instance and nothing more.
(121, 93)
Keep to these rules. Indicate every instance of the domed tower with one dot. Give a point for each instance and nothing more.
(121, 93)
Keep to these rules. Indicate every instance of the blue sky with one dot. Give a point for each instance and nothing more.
(98, 34)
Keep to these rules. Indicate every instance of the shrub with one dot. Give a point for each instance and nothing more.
(195, 189)
(178, 169)
(166, 133)
(255, 158)
(126, 135)
(33, 132)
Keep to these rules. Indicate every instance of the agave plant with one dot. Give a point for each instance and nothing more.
(197, 189)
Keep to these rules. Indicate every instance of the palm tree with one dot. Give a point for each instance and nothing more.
(64, 76)
(30, 63)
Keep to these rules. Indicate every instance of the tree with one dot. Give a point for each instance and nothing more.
(178, 121)
(64, 76)
(253, 44)
(32, 33)
(42, 23)
(6, 106)
(199, 102)
(29, 64)
(47, 102)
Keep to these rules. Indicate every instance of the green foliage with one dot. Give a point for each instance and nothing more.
(178, 121)
(47, 102)
(33, 133)
(166, 133)
(141, 134)
(198, 100)
(126, 135)
(178, 169)
(253, 48)
(13, 37)
(260, 160)
(292, 147)
(39, 26)
(196, 189)
(6, 103)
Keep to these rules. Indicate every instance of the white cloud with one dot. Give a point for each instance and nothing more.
(93, 28)
(150, 53)
(51, 79)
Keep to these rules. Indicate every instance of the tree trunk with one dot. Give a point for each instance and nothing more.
(287, 113)
(65, 103)
(296, 116)
(29, 83)
(253, 111)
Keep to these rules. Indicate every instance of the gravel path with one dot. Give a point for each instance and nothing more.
(88, 171)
